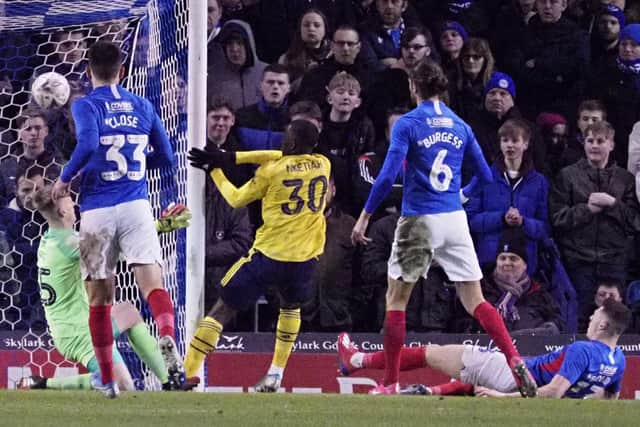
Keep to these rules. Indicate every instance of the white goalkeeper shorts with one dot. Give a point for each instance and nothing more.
(487, 368)
(443, 237)
(127, 229)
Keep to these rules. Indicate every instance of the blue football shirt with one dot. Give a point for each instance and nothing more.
(433, 140)
(587, 365)
(119, 136)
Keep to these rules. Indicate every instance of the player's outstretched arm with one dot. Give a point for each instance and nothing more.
(253, 190)
(258, 157)
(555, 389)
(163, 155)
(88, 136)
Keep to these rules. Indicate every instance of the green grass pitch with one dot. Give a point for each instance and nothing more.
(51, 408)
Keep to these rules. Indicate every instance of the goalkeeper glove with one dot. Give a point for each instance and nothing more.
(211, 159)
(174, 217)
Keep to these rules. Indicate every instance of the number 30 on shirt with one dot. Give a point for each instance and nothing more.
(317, 186)
(114, 154)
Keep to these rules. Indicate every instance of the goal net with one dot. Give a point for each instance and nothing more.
(41, 36)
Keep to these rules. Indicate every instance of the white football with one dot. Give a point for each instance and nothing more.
(50, 90)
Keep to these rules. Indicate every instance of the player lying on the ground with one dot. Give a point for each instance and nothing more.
(67, 308)
(286, 249)
(582, 369)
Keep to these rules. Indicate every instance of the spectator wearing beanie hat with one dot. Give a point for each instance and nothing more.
(549, 61)
(523, 303)
(605, 36)
(499, 106)
(450, 40)
(618, 86)
(555, 133)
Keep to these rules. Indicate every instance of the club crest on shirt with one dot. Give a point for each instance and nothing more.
(439, 122)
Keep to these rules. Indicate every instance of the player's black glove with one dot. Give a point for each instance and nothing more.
(215, 158)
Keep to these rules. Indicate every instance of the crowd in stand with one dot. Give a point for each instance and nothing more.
(551, 89)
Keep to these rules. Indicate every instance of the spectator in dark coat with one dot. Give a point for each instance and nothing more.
(466, 92)
(511, 19)
(390, 87)
(220, 121)
(606, 289)
(619, 88)
(237, 73)
(450, 41)
(369, 165)
(555, 134)
(549, 61)
(31, 151)
(594, 211)
(214, 48)
(347, 54)
(499, 106)
(310, 45)
(590, 111)
(516, 199)
(522, 301)
(21, 227)
(605, 37)
(332, 279)
(345, 135)
(382, 31)
(228, 235)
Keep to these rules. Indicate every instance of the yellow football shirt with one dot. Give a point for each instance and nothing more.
(293, 190)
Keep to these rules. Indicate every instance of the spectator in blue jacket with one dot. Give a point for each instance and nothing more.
(517, 197)
(260, 126)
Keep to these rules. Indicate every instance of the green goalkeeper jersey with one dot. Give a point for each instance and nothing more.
(61, 287)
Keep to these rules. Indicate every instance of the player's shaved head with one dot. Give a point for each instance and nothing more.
(301, 137)
(105, 60)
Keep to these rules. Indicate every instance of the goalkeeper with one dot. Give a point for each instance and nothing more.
(67, 308)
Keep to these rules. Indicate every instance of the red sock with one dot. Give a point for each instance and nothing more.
(493, 324)
(373, 360)
(453, 388)
(102, 338)
(410, 358)
(394, 334)
(162, 310)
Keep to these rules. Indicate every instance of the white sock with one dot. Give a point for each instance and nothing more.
(356, 359)
(273, 369)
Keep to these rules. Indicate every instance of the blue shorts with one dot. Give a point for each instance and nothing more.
(250, 276)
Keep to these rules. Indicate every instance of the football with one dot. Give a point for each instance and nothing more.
(50, 90)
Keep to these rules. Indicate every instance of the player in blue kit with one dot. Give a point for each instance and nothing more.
(119, 136)
(432, 141)
(583, 369)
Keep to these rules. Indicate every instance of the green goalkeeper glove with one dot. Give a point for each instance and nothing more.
(174, 217)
